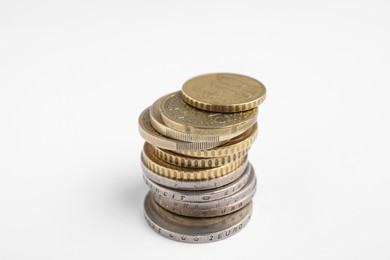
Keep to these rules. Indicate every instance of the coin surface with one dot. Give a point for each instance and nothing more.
(195, 185)
(200, 195)
(223, 92)
(150, 135)
(212, 208)
(195, 162)
(194, 230)
(181, 173)
(238, 144)
(159, 126)
(178, 115)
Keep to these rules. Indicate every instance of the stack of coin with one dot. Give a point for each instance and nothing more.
(195, 161)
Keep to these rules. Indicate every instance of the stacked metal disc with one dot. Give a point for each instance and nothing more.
(195, 161)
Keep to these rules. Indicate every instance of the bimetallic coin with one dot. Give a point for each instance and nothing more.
(178, 115)
(195, 162)
(194, 230)
(159, 126)
(195, 185)
(152, 136)
(200, 195)
(180, 173)
(239, 144)
(223, 92)
(213, 208)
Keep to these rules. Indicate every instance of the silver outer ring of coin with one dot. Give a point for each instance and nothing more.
(195, 185)
(150, 135)
(159, 126)
(202, 195)
(227, 227)
(210, 208)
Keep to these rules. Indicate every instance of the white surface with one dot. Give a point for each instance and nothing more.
(74, 76)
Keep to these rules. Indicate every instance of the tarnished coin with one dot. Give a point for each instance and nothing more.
(194, 230)
(194, 185)
(200, 195)
(195, 162)
(159, 126)
(178, 115)
(152, 136)
(237, 145)
(180, 173)
(223, 92)
(212, 208)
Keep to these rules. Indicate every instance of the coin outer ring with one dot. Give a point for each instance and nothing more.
(159, 126)
(174, 172)
(196, 234)
(228, 148)
(195, 185)
(200, 195)
(195, 162)
(213, 208)
(150, 135)
(173, 123)
(196, 101)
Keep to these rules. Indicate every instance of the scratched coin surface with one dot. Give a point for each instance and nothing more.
(195, 162)
(159, 126)
(150, 135)
(211, 208)
(223, 92)
(200, 195)
(178, 115)
(239, 144)
(181, 173)
(194, 230)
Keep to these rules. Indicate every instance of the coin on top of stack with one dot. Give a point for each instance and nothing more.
(195, 157)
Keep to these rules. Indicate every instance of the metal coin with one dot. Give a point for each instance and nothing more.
(159, 126)
(194, 230)
(238, 144)
(152, 136)
(213, 208)
(194, 162)
(201, 195)
(223, 92)
(194, 185)
(180, 173)
(178, 115)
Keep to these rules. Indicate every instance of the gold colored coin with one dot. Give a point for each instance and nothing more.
(159, 126)
(167, 170)
(234, 146)
(194, 162)
(223, 92)
(152, 136)
(178, 115)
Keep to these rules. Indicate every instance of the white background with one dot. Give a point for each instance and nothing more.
(75, 75)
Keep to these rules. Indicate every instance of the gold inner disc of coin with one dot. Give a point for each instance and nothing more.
(162, 168)
(223, 92)
(180, 116)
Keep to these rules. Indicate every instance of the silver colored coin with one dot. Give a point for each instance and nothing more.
(195, 185)
(202, 195)
(194, 230)
(213, 208)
